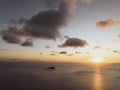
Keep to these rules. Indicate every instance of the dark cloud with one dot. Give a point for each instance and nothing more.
(44, 25)
(116, 51)
(40, 53)
(66, 53)
(11, 38)
(63, 52)
(27, 43)
(107, 24)
(74, 42)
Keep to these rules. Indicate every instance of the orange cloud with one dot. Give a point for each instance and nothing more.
(107, 24)
(97, 47)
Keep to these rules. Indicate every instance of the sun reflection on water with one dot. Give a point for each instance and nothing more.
(98, 84)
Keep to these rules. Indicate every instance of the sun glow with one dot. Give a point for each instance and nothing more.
(97, 59)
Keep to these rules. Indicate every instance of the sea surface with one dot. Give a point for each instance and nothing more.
(27, 75)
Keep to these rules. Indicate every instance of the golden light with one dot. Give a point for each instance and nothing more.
(97, 59)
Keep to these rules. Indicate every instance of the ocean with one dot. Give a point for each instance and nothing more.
(27, 75)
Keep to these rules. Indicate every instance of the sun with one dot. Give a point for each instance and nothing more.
(97, 59)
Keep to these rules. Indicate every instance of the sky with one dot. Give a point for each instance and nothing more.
(60, 30)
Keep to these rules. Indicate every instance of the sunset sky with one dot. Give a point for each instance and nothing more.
(60, 30)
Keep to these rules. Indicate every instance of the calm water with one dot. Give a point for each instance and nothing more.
(66, 76)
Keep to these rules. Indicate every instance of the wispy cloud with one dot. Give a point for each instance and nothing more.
(77, 52)
(4, 49)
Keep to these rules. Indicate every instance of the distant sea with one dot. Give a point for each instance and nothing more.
(27, 75)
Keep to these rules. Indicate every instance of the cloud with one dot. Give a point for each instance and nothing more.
(97, 47)
(47, 46)
(87, 52)
(71, 54)
(116, 51)
(107, 24)
(115, 40)
(52, 54)
(77, 52)
(40, 53)
(3, 49)
(108, 48)
(74, 42)
(119, 35)
(44, 25)
(63, 52)
(66, 37)
(66, 53)
(27, 43)
(87, 1)
(11, 38)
